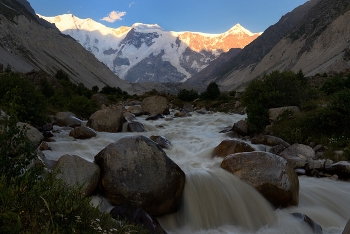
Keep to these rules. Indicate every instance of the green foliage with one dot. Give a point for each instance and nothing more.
(111, 90)
(335, 84)
(16, 151)
(274, 90)
(187, 95)
(20, 95)
(212, 92)
(34, 201)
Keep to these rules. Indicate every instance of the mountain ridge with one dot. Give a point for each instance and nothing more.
(147, 52)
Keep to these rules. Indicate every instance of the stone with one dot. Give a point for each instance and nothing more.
(106, 120)
(44, 146)
(302, 218)
(188, 107)
(227, 147)
(155, 105)
(76, 171)
(33, 134)
(155, 117)
(274, 113)
(129, 116)
(82, 132)
(137, 215)
(277, 149)
(270, 174)
(67, 119)
(135, 126)
(241, 127)
(136, 169)
(347, 228)
(136, 110)
(341, 168)
(298, 154)
(162, 141)
(269, 140)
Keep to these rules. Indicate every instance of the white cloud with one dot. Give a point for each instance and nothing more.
(114, 16)
(132, 3)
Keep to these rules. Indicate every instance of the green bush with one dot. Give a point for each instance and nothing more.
(20, 95)
(187, 95)
(212, 92)
(274, 90)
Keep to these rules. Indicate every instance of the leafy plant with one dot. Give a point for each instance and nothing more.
(212, 92)
(187, 95)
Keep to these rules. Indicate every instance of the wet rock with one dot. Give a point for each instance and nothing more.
(44, 146)
(75, 170)
(241, 127)
(269, 140)
(270, 174)
(316, 228)
(155, 105)
(135, 126)
(227, 147)
(188, 107)
(277, 149)
(202, 111)
(137, 215)
(342, 169)
(181, 114)
(129, 116)
(137, 170)
(82, 132)
(347, 228)
(162, 141)
(106, 120)
(298, 154)
(155, 117)
(67, 119)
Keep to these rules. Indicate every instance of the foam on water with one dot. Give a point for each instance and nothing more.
(215, 201)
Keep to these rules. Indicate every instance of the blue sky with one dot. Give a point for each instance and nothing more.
(207, 16)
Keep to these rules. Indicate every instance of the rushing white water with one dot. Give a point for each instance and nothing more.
(215, 201)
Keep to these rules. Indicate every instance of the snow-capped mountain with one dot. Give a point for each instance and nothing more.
(145, 52)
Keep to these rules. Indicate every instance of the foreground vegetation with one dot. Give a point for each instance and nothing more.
(33, 200)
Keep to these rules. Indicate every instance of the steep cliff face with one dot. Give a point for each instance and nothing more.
(317, 41)
(145, 52)
(27, 43)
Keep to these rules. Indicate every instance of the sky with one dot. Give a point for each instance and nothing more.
(207, 16)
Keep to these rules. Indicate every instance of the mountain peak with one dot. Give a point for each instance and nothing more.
(239, 29)
(142, 26)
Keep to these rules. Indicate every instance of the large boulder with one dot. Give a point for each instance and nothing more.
(135, 126)
(241, 128)
(137, 170)
(82, 132)
(67, 119)
(270, 174)
(33, 134)
(106, 120)
(227, 147)
(76, 171)
(298, 154)
(155, 105)
(269, 140)
(274, 113)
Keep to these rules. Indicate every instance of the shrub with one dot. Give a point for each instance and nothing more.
(212, 92)
(274, 90)
(187, 95)
(20, 95)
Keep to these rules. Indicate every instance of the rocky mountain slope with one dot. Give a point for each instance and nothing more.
(28, 42)
(314, 37)
(146, 52)
(252, 54)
